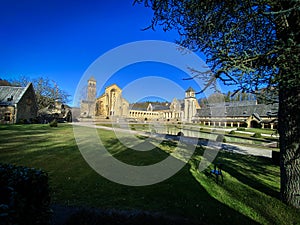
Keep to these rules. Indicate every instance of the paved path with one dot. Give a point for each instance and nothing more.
(235, 148)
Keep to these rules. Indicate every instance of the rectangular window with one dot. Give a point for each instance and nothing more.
(7, 116)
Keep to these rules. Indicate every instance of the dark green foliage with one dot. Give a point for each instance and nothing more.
(94, 217)
(232, 132)
(220, 138)
(180, 134)
(22, 121)
(24, 196)
(257, 135)
(241, 128)
(53, 123)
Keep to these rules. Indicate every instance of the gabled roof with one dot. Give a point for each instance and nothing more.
(10, 95)
(113, 85)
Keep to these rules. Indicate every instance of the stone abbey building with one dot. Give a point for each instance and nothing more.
(111, 104)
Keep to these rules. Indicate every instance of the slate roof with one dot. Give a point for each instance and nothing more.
(154, 107)
(160, 107)
(234, 103)
(260, 110)
(11, 95)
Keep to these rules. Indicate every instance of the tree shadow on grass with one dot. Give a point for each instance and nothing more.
(255, 172)
(181, 194)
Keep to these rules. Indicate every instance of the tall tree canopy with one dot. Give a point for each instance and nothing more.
(253, 44)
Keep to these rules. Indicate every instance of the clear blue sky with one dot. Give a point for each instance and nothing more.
(59, 39)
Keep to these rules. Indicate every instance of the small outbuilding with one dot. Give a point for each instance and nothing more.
(17, 104)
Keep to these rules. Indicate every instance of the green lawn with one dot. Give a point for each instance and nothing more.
(260, 130)
(249, 195)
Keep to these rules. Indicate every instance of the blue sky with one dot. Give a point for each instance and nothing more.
(61, 39)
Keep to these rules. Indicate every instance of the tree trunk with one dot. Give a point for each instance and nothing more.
(289, 104)
(289, 130)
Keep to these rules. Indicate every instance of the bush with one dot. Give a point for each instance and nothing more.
(53, 123)
(232, 132)
(241, 128)
(180, 134)
(24, 196)
(22, 121)
(220, 138)
(112, 217)
(257, 135)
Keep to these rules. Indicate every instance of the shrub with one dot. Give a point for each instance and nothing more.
(241, 128)
(232, 132)
(53, 123)
(153, 131)
(257, 135)
(24, 196)
(180, 134)
(220, 138)
(22, 121)
(113, 217)
(214, 130)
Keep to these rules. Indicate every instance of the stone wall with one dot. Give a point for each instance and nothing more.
(27, 106)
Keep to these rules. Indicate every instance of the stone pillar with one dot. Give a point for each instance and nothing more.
(272, 126)
(231, 124)
(219, 124)
(238, 124)
(208, 123)
(263, 126)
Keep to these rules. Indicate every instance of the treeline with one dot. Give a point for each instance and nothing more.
(227, 97)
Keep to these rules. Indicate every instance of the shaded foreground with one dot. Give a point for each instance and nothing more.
(249, 195)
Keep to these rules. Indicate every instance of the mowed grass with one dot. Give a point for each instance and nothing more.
(249, 194)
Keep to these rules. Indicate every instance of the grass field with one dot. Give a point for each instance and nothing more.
(249, 195)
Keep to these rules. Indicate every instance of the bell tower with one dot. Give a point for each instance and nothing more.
(91, 90)
(190, 104)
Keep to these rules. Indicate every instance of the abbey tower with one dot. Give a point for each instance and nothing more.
(190, 105)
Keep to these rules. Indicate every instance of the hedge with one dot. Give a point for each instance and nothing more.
(24, 196)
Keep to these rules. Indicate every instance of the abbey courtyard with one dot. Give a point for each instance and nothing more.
(112, 105)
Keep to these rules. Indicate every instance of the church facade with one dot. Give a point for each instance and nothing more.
(111, 103)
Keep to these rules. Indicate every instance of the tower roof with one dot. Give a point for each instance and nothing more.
(92, 78)
(190, 89)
